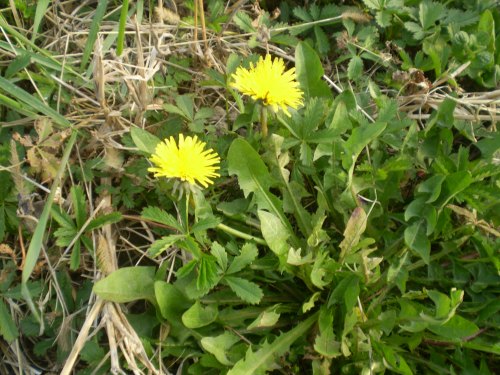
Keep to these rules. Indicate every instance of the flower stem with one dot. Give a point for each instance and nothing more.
(263, 120)
(187, 193)
(240, 234)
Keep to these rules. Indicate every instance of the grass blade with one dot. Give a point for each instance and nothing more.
(121, 29)
(94, 29)
(41, 8)
(37, 239)
(35, 104)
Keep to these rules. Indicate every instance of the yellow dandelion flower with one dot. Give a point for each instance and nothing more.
(189, 161)
(268, 81)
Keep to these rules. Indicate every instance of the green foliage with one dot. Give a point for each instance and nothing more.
(354, 239)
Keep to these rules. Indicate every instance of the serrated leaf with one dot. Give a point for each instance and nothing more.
(416, 29)
(185, 104)
(430, 12)
(220, 255)
(259, 362)
(325, 343)
(310, 302)
(102, 220)
(321, 40)
(302, 14)
(144, 140)
(247, 255)
(355, 68)
(8, 328)
(244, 22)
(163, 244)
(206, 223)
(383, 18)
(127, 284)
(373, 4)
(158, 215)
(246, 290)
(208, 276)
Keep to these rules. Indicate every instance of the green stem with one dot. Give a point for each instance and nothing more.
(240, 234)
(263, 120)
(187, 192)
(121, 28)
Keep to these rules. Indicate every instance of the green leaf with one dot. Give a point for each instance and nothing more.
(310, 72)
(430, 12)
(244, 22)
(127, 284)
(158, 215)
(8, 328)
(19, 63)
(185, 104)
(311, 302)
(171, 302)
(259, 362)
(359, 139)
(266, 318)
(416, 29)
(373, 4)
(353, 231)
(347, 291)
(253, 177)
(302, 14)
(198, 316)
(220, 255)
(325, 343)
(2, 221)
(62, 218)
(295, 258)
(355, 68)
(78, 199)
(144, 140)
(416, 239)
(247, 164)
(207, 273)
(41, 8)
(163, 244)
(220, 345)
(274, 232)
(454, 184)
(94, 29)
(31, 101)
(395, 361)
(321, 40)
(75, 256)
(37, 238)
(340, 122)
(456, 328)
(247, 255)
(432, 186)
(102, 220)
(246, 290)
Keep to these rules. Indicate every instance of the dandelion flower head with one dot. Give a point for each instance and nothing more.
(189, 161)
(268, 81)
